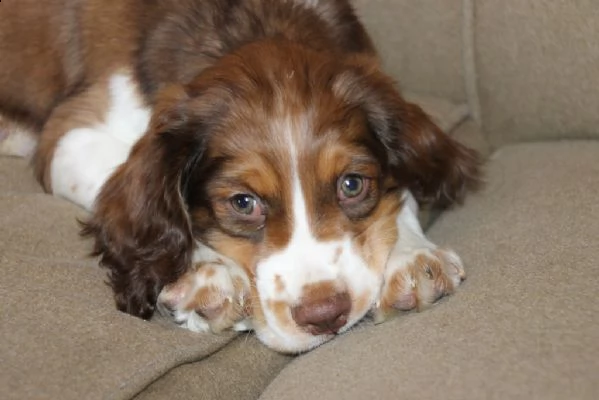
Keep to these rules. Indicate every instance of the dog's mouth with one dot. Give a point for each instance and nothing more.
(298, 339)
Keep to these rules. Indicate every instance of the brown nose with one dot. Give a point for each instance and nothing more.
(323, 316)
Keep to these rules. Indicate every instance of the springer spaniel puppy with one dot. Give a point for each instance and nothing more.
(247, 164)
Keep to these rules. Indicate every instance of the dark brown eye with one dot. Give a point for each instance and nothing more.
(246, 204)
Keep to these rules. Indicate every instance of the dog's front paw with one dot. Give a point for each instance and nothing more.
(417, 278)
(210, 298)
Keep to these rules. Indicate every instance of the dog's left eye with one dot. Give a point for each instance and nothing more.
(352, 187)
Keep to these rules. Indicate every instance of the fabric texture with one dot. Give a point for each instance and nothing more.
(470, 134)
(537, 69)
(525, 324)
(240, 370)
(61, 334)
(527, 69)
(446, 114)
(420, 43)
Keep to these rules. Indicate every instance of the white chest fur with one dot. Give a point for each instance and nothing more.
(85, 157)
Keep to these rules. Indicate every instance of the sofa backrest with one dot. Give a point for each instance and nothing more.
(529, 70)
(420, 42)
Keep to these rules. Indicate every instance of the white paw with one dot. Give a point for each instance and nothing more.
(210, 298)
(416, 279)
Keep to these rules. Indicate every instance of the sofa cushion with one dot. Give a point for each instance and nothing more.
(445, 113)
(420, 43)
(61, 335)
(240, 370)
(524, 325)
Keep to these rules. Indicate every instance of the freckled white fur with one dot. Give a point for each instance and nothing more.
(225, 273)
(411, 235)
(411, 244)
(86, 157)
(411, 241)
(306, 260)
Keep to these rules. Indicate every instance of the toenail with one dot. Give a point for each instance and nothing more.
(412, 282)
(428, 272)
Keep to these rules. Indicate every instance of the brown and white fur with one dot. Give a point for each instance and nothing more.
(247, 163)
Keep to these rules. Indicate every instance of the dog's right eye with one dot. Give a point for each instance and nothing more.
(248, 206)
(244, 204)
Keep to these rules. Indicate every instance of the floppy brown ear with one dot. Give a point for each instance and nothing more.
(434, 166)
(423, 158)
(140, 223)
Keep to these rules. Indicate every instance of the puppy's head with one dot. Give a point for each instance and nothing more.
(289, 162)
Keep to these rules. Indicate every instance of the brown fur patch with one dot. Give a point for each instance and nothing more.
(207, 301)
(220, 312)
(376, 241)
(280, 310)
(315, 292)
(208, 272)
(361, 303)
(432, 268)
(254, 308)
(395, 287)
(242, 251)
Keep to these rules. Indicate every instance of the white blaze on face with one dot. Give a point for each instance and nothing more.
(306, 261)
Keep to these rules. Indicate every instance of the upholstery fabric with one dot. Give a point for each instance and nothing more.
(537, 69)
(420, 43)
(61, 336)
(240, 370)
(446, 114)
(527, 69)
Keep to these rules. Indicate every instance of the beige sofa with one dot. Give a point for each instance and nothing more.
(519, 80)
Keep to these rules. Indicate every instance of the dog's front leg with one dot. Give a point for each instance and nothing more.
(212, 297)
(418, 272)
